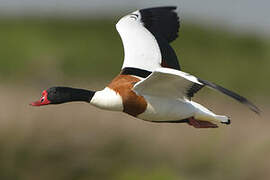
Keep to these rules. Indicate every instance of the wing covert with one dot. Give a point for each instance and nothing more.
(169, 83)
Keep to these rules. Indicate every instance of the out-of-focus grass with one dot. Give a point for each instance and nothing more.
(43, 50)
(78, 142)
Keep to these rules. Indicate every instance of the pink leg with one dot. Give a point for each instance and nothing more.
(201, 124)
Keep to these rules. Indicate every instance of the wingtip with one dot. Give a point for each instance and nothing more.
(173, 7)
(161, 8)
(257, 110)
(253, 108)
(232, 94)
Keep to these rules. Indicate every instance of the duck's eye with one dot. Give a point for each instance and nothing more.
(42, 99)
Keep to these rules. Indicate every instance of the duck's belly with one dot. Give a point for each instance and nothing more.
(164, 109)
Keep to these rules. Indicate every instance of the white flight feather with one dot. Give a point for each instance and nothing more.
(140, 46)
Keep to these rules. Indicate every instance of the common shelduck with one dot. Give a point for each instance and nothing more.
(151, 85)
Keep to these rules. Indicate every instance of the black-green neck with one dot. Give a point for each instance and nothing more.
(58, 95)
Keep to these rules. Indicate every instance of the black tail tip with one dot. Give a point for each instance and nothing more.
(228, 122)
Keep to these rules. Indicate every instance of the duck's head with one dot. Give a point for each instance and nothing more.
(58, 95)
(49, 96)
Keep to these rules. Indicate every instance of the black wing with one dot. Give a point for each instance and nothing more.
(163, 23)
(232, 94)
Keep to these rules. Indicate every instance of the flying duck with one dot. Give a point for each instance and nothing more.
(151, 85)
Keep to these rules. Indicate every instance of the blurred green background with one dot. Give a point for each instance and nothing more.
(76, 141)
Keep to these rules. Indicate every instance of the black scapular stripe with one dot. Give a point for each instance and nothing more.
(136, 72)
(231, 94)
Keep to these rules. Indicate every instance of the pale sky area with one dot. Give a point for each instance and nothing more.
(243, 15)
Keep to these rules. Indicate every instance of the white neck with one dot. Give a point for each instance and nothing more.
(107, 99)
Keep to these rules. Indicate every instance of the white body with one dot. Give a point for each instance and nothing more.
(158, 108)
(165, 109)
